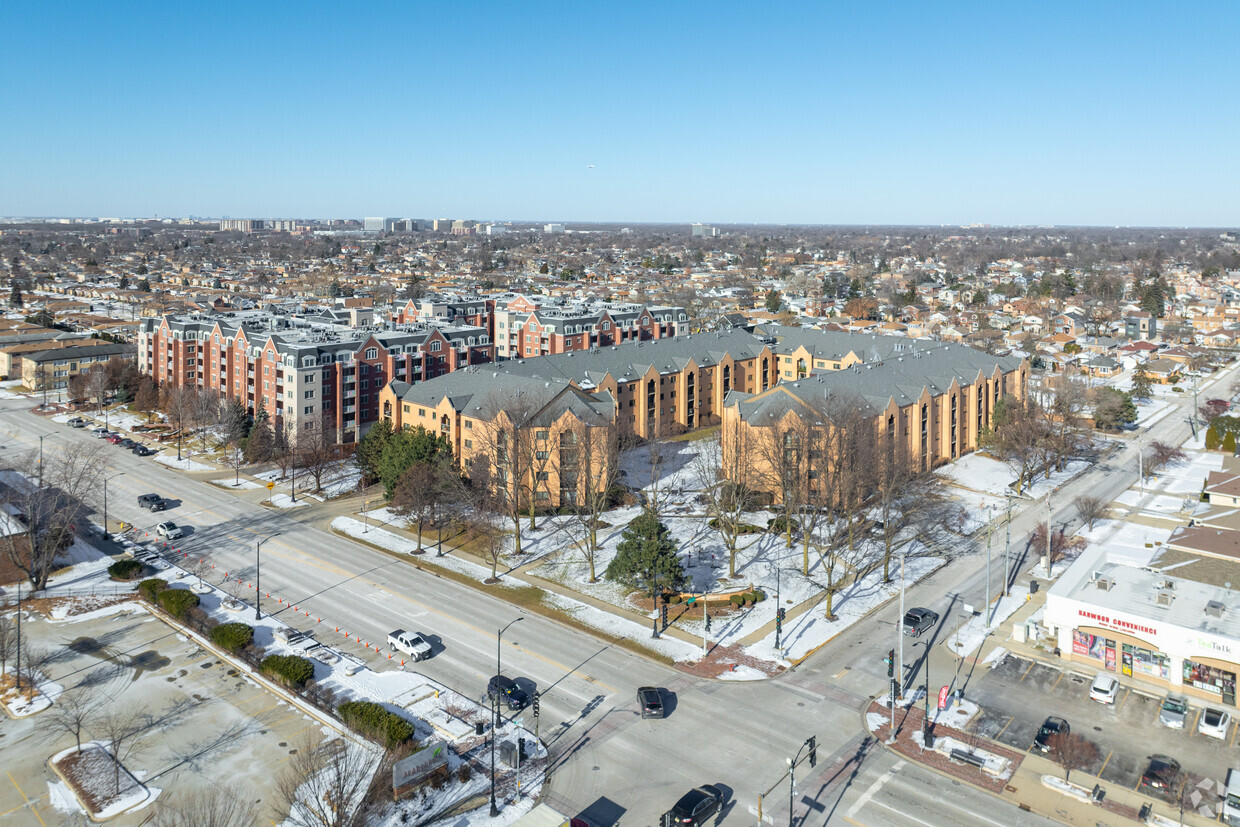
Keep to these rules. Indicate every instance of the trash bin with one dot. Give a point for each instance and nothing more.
(1033, 586)
(479, 728)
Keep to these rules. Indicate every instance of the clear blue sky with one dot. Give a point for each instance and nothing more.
(865, 112)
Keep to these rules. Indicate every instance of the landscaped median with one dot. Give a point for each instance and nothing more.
(100, 781)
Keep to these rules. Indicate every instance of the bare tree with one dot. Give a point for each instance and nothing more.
(1161, 455)
(1061, 545)
(97, 385)
(34, 663)
(422, 488)
(52, 502)
(588, 466)
(660, 452)
(909, 503)
(147, 399)
(317, 451)
(204, 412)
(43, 380)
(211, 806)
(125, 730)
(8, 642)
(782, 450)
(337, 783)
(722, 470)
(1018, 437)
(487, 509)
(178, 406)
(1090, 508)
(73, 713)
(1066, 435)
(509, 440)
(1071, 751)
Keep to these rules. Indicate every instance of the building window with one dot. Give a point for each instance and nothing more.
(309, 409)
(436, 346)
(310, 394)
(469, 443)
(372, 353)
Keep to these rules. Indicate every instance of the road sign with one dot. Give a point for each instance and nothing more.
(270, 485)
(691, 601)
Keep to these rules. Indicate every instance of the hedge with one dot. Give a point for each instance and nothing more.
(374, 721)
(290, 670)
(741, 528)
(232, 636)
(178, 602)
(126, 569)
(779, 525)
(151, 587)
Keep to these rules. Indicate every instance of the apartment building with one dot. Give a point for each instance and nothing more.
(51, 369)
(524, 328)
(303, 370)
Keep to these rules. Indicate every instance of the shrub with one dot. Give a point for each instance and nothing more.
(126, 569)
(463, 773)
(779, 525)
(178, 602)
(151, 587)
(290, 670)
(1177, 389)
(674, 599)
(232, 636)
(374, 721)
(737, 600)
(758, 595)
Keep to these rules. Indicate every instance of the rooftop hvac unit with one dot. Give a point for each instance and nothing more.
(1104, 583)
(1164, 598)
(1215, 608)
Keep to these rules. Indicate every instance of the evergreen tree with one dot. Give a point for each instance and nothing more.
(646, 557)
(370, 449)
(1142, 383)
(260, 444)
(405, 448)
(15, 297)
(774, 301)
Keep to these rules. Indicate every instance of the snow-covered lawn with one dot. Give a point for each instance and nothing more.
(285, 501)
(183, 464)
(968, 637)
(337, 481)
(1150, 412)
(977, 472)
(243, 485)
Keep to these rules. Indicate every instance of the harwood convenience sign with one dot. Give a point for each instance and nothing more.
(422, 763)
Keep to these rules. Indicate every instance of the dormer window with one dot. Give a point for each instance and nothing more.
(372, 353)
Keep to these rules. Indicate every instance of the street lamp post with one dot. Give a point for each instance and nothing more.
(926, 728)
(499, 670)
(778, 604)
(1007, 548)
(990, 533)
(41, 437)
(105, 501)
(258, 583)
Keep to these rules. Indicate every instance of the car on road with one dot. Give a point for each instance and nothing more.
(1051, 727)
(650, 702)
(919, 620)
(113, 438)
(152, 502)
(127, 443)
(76, 422)
(506, 690)
(1214, 723)
(100, 432)
(698, 806)
(1104, 689)
(169, 530)
(142, 450)
(1173, 711)
(411, 643)
(1161, 774)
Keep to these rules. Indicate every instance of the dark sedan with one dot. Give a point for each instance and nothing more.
(142, 450)
(126, 443)
(698, 806)
(1161, 775)
(506, 690)
(1050, 728)
(650, 702)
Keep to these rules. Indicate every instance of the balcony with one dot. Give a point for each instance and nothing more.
(350, 408)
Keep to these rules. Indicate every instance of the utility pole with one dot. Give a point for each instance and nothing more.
(1141, 461)
(1046, 561)
(1007, 548)
(900, 627)
(990, 533)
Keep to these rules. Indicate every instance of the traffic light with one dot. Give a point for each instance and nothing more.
(664, 615)
(535, 705)
(813, 750)
(708, 623)
(891, 663)
(780, 614)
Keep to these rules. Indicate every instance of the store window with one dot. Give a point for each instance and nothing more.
(1211, 679)
(1145, 662)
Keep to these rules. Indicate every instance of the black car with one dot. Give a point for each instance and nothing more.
(126, 443)
(142, 450)
(1160, 776)
(919, 620)
(508, 691)
(697, 806)
(152, 502)
(1051, 727)
(650, 702)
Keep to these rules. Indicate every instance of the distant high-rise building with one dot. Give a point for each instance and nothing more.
(374, 225)
(553, 228)
(443, 225)
(496, 229)
(243, 225)
(704, 231)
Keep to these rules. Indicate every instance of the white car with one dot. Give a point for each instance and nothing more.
(1214, 722)
(169, 531)
(411, 643)
(1104, 689)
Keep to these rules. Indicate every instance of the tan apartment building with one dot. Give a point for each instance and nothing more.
(50, 370)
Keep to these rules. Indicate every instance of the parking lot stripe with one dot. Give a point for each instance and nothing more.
(1005, 726)
(1057, 680)
(24, 798)
(1110, 752)
(1196, 717)
(1032, 663)
(1232, 743)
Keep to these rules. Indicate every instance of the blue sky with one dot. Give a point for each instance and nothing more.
(951, 112)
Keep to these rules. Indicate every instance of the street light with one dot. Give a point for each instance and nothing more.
(926, 728)
(105, 500)
(258, 584)
(499, 670)
(41, 437)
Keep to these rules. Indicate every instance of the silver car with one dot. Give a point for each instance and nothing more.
(1173, 711)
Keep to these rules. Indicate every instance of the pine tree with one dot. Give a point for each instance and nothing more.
(646, 557)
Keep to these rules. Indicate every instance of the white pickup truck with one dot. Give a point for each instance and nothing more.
(411, 643)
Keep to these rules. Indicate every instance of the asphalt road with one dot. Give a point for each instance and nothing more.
(608, 763)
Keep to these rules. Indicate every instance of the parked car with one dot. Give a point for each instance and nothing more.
(152, 502)
(1173, 711)
(698, 806)
(169, 530)
(506, 690)
(1051, 727)
(142, 450)
(411, 643)
(650, 702)
(100, 432)
(1214, 723)
(919, 620)
(1161, 774)
(76, 422)
(113, 438)
(127, 443)
(1104, 689)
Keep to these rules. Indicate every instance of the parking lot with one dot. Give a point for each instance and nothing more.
(1018, 694)
(211, 724)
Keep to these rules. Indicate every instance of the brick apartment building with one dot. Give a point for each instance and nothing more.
(303, 370)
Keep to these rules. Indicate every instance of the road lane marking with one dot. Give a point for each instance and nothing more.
(973, 813)
(909, 816)
(873, 788)
(1110, 752)
(24, 798)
